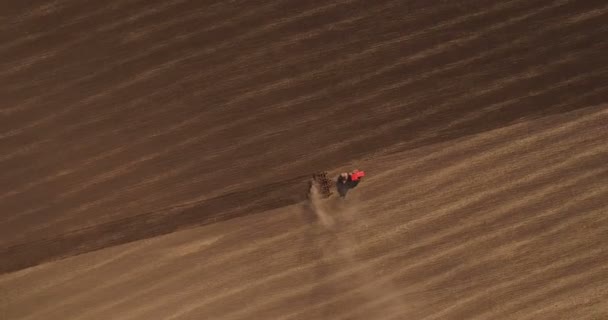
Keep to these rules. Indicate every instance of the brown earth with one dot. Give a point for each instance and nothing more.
(155, 158)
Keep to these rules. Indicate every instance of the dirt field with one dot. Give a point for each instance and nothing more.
(155, 156)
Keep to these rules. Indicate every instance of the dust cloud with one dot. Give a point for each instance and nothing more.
(336, 241)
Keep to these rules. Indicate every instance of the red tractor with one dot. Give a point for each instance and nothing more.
(343, 183)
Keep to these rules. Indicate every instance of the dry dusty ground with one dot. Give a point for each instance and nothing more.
(155, 155)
